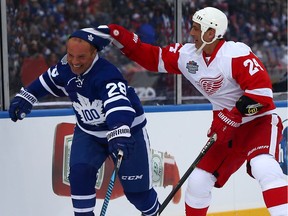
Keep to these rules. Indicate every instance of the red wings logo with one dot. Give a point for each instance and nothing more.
(211, 85)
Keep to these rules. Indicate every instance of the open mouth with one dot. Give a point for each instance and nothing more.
(76, 66)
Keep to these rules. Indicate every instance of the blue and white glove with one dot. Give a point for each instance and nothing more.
(21, 105)
(120, 139)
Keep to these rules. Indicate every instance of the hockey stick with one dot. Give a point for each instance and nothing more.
(188, 172)
(111, 183)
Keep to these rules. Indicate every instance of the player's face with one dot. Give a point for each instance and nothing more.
(80, 55)
(196, 34)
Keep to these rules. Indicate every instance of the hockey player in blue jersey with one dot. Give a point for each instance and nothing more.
(109, 117)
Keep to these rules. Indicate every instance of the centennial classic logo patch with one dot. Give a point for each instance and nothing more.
(192, 67)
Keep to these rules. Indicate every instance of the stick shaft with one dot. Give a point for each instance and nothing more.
(111, 184)
(187, 173)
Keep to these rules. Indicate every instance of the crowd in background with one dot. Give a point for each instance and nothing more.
(38, 29)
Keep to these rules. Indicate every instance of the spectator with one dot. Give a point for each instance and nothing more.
(52, 22)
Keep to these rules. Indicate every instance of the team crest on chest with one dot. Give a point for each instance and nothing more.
(91, 112)
(211, 84)
(192, 67)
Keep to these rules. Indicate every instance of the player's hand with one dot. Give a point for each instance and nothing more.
(120, 139)
(224, 125)
(122, 37)
(21, 105)
(126, 144)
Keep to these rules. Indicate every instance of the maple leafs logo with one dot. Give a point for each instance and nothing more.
(91, 113)
(90, 37)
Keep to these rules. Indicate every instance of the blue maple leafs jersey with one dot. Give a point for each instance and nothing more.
(101, 97)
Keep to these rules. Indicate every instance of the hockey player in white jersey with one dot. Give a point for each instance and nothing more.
(109, 118)
(237, 84)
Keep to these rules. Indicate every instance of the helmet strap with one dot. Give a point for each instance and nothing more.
(198, 51)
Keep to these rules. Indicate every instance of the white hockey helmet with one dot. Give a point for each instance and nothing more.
(210, 17)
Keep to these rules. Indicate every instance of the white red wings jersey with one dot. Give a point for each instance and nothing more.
(231, 71)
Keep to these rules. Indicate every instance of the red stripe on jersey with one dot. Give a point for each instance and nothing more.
(251, 74)
(276, 196)
(170, 57)
(145, 55)
(148, 57)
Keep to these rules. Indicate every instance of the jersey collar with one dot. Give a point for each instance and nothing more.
(218, 46)
(95, 59)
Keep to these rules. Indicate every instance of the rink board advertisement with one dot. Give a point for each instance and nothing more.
(35, 152)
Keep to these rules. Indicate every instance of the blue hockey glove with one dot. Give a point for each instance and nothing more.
(21, 105)
(120, 139)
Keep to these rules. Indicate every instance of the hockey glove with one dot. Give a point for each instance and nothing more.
(225, 124)
(21, 105)
(120, 139)
(123, 38)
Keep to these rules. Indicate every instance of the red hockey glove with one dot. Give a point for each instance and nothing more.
(224, 125)
(123, 39)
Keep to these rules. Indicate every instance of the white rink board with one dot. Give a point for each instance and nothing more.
(26, 166)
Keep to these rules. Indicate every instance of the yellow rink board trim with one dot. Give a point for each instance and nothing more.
(246, 212)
